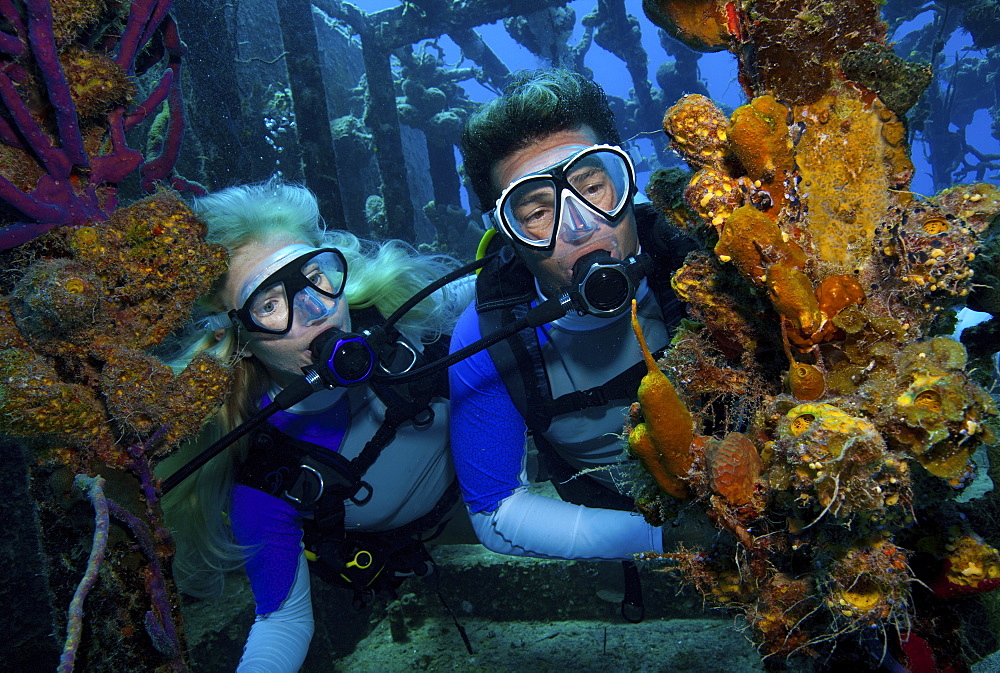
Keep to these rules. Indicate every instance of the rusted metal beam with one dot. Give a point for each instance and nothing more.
(411, 22)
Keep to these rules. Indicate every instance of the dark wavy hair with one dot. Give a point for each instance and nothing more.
(535, 104)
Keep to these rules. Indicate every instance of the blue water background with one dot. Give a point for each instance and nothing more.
(718, 71)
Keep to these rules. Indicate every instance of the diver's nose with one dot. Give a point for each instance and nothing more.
(310, 307)
(577, 224)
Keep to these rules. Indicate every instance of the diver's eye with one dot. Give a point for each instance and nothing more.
(319, 279)
(537, 224)
(270, 309)
(267, 307)
(594, 190)
(595, 186)
(537, 217)
(533, 208)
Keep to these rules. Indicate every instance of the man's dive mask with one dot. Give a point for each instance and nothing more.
(570, 199)
(298, 282)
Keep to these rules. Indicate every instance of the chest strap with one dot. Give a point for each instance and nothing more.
(621, 388)
(520, 364)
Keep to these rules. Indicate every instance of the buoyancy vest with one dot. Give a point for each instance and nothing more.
(570, 390)
(367, 505)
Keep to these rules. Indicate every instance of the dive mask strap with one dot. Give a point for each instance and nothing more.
(215, 322)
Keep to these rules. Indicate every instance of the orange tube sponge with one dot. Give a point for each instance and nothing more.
(663, 441)
(752, 241)
(835, 293)
(759, 137)
(793, 297)
(641, 444)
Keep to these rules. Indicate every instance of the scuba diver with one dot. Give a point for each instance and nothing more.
(546, 154)
(334, 472)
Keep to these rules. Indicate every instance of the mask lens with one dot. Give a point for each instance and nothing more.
(533, 209)
(601, 179)
(322, 275)
(269, 307)
(326, 273)
(530, 210)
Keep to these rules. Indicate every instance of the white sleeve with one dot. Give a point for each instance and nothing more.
(528, 524)
(458, 294)
(279, 640)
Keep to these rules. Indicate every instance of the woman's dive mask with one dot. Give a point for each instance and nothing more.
(296, 282)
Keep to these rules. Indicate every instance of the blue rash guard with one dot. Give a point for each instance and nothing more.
(488, 439)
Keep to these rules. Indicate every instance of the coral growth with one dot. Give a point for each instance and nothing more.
(76, 375)
(834, 462)
(67, 86)
(828, 410)
(868, 583)
(698, 130)
(705, 25)
(734, 466)
(939, 413)
(78, 385)
(970, 566)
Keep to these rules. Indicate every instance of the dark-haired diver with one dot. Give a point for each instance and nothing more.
(544, 158)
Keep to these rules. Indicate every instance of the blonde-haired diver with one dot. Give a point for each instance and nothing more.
(330, 479)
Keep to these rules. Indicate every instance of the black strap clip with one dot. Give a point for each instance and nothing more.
(633, 609)
(593, 397)
(362, 486)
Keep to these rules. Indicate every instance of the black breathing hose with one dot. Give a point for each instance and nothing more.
(547, 311)
(313, 380)
(299, 390)
(434, 287)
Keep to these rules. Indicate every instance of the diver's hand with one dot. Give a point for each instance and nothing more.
(692, 528)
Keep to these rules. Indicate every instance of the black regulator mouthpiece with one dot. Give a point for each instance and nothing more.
(342, 358)
(605, 286)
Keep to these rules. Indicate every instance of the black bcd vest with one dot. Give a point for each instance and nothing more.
(318, 482)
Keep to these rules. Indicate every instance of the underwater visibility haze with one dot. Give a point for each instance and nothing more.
(837, 164)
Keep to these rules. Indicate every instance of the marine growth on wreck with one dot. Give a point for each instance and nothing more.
(835, 419)
(96, 289)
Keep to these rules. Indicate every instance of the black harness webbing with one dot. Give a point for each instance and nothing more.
(621, 388)
(314, 479)
(318, 482)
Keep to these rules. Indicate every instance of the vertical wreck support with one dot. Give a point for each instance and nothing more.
(383, 31)
(382, 119)
(305, 77)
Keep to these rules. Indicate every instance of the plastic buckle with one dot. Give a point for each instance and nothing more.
(365, 486)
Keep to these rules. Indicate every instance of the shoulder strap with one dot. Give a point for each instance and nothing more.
(518, 361)
(505, 281)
